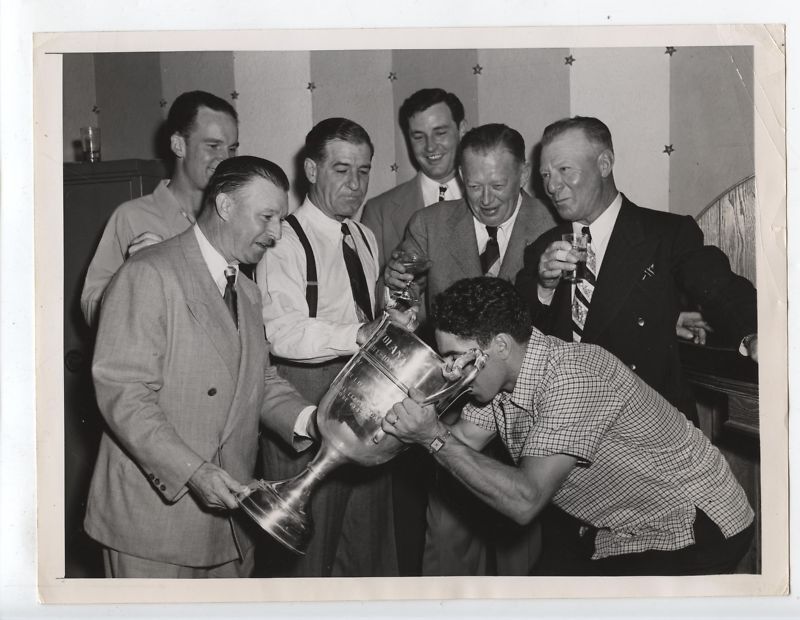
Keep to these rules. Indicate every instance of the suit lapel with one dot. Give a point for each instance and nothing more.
(406, 203)
(251, 329)
(620, 271)
(523, 234)
(464, 244)
(206, 305)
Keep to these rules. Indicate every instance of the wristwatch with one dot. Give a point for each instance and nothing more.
(438, 442)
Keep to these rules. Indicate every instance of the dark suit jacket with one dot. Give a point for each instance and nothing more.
(177, 385)
(387, 215)
(654, 262)
(445, 233)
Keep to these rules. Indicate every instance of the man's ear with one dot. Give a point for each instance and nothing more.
(526, 174)
(310, 168)
(462, 128)
(223, 204)
(605, 161)
(501, 345)
(178, 145)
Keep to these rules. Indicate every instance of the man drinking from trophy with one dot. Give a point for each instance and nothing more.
(652, 495)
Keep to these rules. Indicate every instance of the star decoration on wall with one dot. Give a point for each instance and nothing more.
(477, 70)
(311, 86)
(568, 60)
(670, 50)
(392, 76)
(235, 95)
(668, 149)
(394, 167)
(162, 102)
(95, 109)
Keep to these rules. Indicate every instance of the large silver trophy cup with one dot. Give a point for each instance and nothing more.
(349, 417)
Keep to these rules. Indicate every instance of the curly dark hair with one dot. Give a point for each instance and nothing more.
(480, 308)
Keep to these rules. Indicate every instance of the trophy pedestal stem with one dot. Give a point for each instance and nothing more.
(280, 507)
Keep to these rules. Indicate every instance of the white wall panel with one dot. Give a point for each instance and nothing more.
(628, 89)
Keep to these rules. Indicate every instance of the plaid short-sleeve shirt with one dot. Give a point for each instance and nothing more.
(642, 466)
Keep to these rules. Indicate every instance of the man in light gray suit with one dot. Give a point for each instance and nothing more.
(183, 379)
(484, 234)
(433, 122)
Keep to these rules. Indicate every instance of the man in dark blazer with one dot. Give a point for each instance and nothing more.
(183, 380)
(484, 234)
(652, 264)
(649, 264)
(433, 123)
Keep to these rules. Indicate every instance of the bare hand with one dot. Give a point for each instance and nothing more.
(692, 326)
(554, 261)
(214, 487)
(142, 241)
(411, 422)
(394, 275)
(752, 348)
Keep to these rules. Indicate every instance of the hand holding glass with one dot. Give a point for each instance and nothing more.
(580, 247)
(415, 264)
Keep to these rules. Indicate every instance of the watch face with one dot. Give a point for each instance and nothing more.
(437, 444)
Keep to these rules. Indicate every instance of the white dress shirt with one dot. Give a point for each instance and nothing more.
(430, 189)
(503, 236)
(281, 275)
(217, 264)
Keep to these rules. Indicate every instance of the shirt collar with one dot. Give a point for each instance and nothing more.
(602, 227)
(430, 188)
(329, 226)
(215, 261)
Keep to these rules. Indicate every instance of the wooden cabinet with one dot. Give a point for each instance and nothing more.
(91, 193)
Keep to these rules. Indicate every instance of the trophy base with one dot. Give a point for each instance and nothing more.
(286, 524)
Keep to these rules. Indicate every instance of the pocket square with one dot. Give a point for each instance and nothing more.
(649, 272)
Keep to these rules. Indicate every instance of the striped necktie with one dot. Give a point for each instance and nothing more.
(491, 253)
(583, 290)
(442, 192)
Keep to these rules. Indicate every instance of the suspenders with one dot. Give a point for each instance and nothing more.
(312, 286)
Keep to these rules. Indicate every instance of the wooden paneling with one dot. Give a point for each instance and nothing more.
(729, 222)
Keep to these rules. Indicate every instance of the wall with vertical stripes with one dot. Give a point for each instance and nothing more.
(682, 121)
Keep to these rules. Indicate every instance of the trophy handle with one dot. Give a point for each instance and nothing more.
(447, 395)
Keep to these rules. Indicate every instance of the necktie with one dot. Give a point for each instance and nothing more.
(491, 254)
(584, 289)
(442, 191)
(229, 296)
(358, 281)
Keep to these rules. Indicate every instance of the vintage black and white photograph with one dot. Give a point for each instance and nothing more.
(488, 306)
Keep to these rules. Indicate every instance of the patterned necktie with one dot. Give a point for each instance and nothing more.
(358, 281)
(442, 191)
(491, 254)
(583, 291)
(229, 296)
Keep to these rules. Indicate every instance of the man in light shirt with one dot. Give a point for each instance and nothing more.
(318, 287)
(183, 381)
(484, 234)
(433, 123)
(203, 131)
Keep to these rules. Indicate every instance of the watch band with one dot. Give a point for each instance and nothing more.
(438, 442)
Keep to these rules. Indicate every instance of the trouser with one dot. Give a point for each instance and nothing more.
(118, 564)
(351, 509)
(466, 537)
(567, 552)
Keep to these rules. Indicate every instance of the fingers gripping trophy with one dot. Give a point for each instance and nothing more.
(389, 367)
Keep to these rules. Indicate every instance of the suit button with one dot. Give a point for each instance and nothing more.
(640, 322)
(151, 476)
(157, 481)
(633, 367)
(163, 488)
(212, 391)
